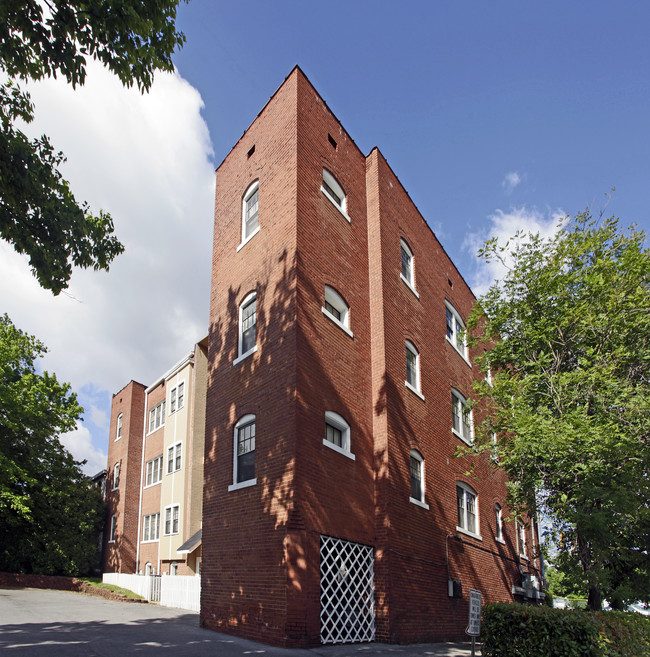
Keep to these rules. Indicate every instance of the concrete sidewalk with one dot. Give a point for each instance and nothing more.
(44, 622)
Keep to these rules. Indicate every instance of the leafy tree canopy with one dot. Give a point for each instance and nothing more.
(567, 333)
(39, 214)
(50, 515)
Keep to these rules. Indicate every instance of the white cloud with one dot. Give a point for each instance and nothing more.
(511, 181)
(79, 443)
(503, 225)
(146, 159)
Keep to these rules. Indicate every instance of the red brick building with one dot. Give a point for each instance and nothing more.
(334, 508)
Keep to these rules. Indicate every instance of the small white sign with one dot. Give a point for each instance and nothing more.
(474, 626)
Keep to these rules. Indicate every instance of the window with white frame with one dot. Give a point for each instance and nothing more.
(177, 397)
(173, 568)
(157, 416)
(151, 527)
(244, 453)
(250, 212)
(337, 434)
(154, 471)
(118, 434)
(413, 368)
(408, 266)
(455, 330)
(416, 466)
(336, 309)
(174, 457)
(111, 536)
(521, 539)
(461, 414)
(334, 192)
(498, 518)
(247, 326)
(172, 515)
(116, 476)
(467, 502)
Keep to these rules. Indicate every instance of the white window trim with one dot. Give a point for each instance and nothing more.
(249, 482)
(463, 404)
(173, 393)
(463, 530)
(339, 423)
(415, 454)
(334, 184)
(240, 333)
(163, 414)
(171, 520)
(173, 447)
(498, 518)
(457, 320)
(118, 432)
(521, 529)
(151, 540)
(247, 194)
(417, 390)
(336, 300)
(160, 471)
(410, 284)
(116, 468)
(113, 529)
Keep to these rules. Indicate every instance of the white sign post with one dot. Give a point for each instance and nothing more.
(474, 625)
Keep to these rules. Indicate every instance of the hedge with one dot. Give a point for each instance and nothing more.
(514, 630)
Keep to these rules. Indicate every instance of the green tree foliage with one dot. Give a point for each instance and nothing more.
(568, 333)
(38, 212)
(50, 515)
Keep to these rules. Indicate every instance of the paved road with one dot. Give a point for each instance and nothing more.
(48, 623)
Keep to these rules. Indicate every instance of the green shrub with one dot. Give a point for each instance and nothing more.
(514, 630)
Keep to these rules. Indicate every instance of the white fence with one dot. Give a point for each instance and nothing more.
(175, 591)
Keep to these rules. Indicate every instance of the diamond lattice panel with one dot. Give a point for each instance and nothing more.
(347, 613)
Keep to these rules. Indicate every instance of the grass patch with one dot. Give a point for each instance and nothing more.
(97, 583)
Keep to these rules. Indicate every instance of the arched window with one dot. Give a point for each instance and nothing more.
(119, 427)
(336, 309)
(467, 502)
(413, 368)
(498, 518)
(455, 330)
(247, 327)
(461, 415)
(337, 434)
(416, 466)
(250, 213)
(408, 266)
(334, 192)
(244, 453)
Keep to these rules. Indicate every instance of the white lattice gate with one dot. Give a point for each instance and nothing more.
(347, 609)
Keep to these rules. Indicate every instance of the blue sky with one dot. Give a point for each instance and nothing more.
(494, 116)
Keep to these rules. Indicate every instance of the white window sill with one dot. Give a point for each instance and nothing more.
(408, 284)
(118, 438)
(154, 540)
(523, 556)
(478, 537)
(338, 449)
(414, 390)
(242, 484)
(469, 442)
(248, 239)
(458, 351)
(337, 322)
(172, 534)
(155, 483)
(335, 204)
(500, 540)
(419, 503)
(116, 488)
(113, 541)
(239, 359)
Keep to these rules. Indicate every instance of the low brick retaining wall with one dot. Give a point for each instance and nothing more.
(15, 580)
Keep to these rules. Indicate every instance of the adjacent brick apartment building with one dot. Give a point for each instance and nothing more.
(334, 508)
(155, 472)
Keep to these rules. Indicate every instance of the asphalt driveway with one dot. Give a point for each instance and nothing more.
(43, 622)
